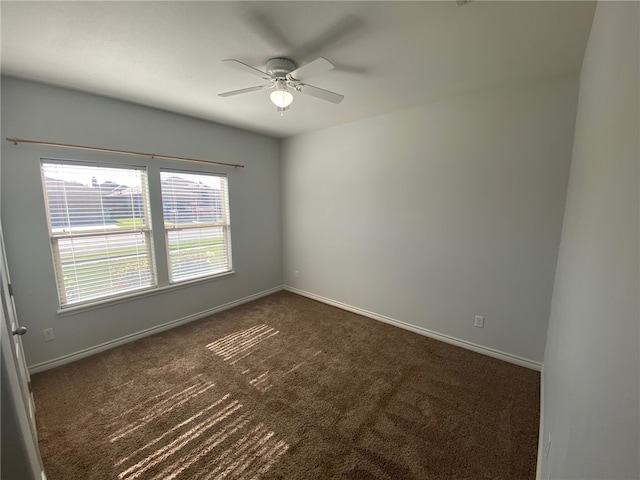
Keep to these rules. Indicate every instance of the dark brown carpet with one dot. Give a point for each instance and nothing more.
(288, 388)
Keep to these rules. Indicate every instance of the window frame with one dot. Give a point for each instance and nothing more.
(68, 233)
(155, 241)
(224, 223)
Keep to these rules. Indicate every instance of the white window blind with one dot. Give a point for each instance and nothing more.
(99, 226)
(196, 221)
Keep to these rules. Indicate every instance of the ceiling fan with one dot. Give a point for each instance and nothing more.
(284, 77)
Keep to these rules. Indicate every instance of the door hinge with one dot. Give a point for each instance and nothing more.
(10, 290)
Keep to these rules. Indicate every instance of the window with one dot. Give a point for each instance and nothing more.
(100, 230)
(100, 220)
(196, 222)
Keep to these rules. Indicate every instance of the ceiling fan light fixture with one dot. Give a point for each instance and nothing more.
(281, 98)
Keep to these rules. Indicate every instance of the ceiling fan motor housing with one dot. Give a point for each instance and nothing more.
(280, 67)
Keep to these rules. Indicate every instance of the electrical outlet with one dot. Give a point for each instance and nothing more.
(479, 322)
(48, 334)
(548, 447)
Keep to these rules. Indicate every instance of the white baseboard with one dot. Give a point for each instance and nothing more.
(72, 357)
(507, 357)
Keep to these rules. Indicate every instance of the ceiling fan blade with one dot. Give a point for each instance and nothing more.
(339, 33)
(269, 32)
(246, 68)
(243, 90)
(319, 65)
(320, 93)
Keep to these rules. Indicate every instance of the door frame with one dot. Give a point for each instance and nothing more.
(17, 375)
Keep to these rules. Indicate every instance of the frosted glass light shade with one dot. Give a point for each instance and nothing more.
(281, 98)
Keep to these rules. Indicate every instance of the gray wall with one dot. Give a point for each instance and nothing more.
(592, 366)
(35, 111)
(432, 215)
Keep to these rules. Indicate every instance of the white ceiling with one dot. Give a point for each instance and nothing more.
(388, 55)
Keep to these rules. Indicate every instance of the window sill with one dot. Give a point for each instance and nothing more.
(85, 307)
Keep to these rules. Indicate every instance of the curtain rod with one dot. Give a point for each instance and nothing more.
(16, 141)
